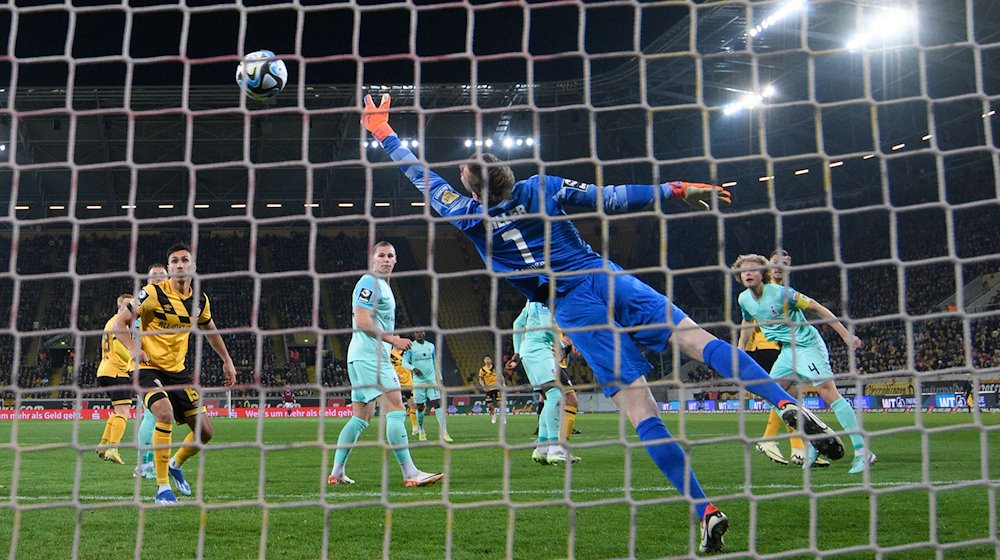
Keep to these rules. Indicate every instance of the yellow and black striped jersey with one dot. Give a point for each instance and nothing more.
(405, 375)
(115, 360)
(760, 342)
(488, 377)
(166, 319)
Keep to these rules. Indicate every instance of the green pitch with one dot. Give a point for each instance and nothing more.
(615, 503)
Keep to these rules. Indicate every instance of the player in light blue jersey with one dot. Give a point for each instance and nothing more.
(534, 342)
(145, 467)
(423, 356)
(778, 312)
(522, 232)
(370, 369)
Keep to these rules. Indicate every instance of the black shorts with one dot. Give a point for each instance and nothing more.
(564, 376)
(184, 399)
(122, 394)
(765, 357)
(407, 394)
(493, 395)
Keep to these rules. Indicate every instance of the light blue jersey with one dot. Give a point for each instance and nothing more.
(776, 310)
(422, 356)
(534, 332)
(375, 295)
(534, 337)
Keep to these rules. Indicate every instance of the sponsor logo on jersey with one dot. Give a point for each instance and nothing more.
(365, 295)
(571, 184)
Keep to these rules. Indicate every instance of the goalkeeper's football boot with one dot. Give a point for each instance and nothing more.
(112, 456)
(713, 527)
(859, 462)
(166, 498)
(342, 479)
(827, 443)
(423, 479)
(178, 477)
(771, 450)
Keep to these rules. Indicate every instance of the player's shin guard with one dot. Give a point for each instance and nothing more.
(395, 434)
(442, 419)
(550, 413)
(187, 450)
(146, 436)
(669, 457)
(719, 355)
(161, 452)
(849, 420)
(348, 437)
(568, 422)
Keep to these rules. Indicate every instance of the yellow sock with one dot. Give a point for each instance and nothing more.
(413, 418)
(187, 450)
(774, 422)
(161, 451)
(569, 420)
(107, 430)
(796, 442)
(117, 424)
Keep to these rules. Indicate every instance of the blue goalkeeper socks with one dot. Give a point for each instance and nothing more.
(719, 355)
(849, 420)
(669, 457)
(348, 437)
(420, 419)
(395, 434)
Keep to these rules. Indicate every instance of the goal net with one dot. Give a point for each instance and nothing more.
(857, 137)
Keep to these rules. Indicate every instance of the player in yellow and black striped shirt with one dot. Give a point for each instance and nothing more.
(167, 311)
(491, 383)
(404, 370)
(115, 374)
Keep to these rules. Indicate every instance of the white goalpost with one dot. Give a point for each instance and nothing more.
(857, 137)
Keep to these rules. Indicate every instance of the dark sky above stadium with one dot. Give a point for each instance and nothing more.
(334, 35)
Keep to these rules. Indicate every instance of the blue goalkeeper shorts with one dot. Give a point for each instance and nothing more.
(635, 304)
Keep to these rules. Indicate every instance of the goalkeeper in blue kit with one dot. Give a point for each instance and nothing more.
(509, 223)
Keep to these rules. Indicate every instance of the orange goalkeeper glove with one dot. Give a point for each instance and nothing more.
(376, 119)
(697, 195)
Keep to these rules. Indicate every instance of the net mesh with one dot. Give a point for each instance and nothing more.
(856, 136)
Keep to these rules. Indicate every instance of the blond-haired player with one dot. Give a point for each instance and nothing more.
(114, 375)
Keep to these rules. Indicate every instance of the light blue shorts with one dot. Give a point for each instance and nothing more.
(810, 364)
(541, 368)
(424, 393)
(370, 378)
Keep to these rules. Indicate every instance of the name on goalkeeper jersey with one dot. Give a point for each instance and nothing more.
(506, 218)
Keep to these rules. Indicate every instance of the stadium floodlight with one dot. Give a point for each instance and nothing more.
(488, 142)
(788, 8)
(381, 204)
(529, 141)
(508, 143)
(836, 164)
(989, 114)
(21, 207)
(729, 184)
(884, 26)
(468, 143)
(274, 205)
(898, 147)
(94, 207)
(3, 147)
(345, 205)
(748, 101)
(201, 206)
(926, 136)
(56, 207)
(165, 206)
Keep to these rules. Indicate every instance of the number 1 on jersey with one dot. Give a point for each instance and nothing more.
(514, 234)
